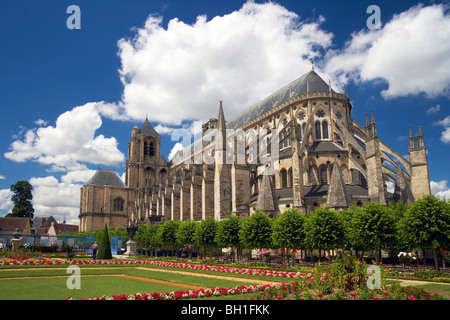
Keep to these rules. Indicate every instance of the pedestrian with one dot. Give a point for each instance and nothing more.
(94, 250)
(1, 245)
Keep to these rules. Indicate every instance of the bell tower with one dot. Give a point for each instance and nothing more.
(420, 179)
(142, 166)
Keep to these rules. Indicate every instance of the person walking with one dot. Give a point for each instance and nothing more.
(94, 250)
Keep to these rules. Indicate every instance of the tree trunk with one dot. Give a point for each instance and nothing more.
(436, 259)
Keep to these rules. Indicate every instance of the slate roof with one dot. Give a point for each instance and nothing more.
(326, 146)
(295, 88)
(105, 177)
(148, 130)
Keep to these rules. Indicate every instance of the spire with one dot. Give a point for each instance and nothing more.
(410, 132)
(148, 130)
(367, 121)
(420, 130)
(346, 93)
(267, 200)
(338, 196)
(372, 118)
(329, 85)
(221, 130)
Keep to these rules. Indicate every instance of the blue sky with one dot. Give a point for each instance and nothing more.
(70, 97)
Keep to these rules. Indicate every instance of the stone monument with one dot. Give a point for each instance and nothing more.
(15, 241)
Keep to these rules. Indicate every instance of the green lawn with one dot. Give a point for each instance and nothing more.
(105, 283)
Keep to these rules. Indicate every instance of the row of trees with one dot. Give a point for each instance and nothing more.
(424, 225)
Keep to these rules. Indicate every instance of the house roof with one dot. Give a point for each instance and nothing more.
(105, 177)
(9, 224)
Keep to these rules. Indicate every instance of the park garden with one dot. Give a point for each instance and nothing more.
(361, 253)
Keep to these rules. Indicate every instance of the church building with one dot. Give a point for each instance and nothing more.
(297, 148)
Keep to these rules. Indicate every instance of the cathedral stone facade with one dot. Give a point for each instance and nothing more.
(297, 148)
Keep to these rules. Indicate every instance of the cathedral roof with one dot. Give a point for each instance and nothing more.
(309, 82)
(147, 129)
(105, 177)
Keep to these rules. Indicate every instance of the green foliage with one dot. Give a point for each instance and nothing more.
(228, 232)
(205, 235)
(256, 231)
(167, 233)
(104, 247)
(426, 224)
(21, 199)
(324, 229)
(288, 229)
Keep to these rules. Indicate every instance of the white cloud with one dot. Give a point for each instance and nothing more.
(41, 122)
(71, 141)
(390, 186)
(410, 53)
(5, 200)
(177, 147)
(180, 73)
(2, 177)
(440, 189)
(433, 109)
(445, 135)
(59, 199)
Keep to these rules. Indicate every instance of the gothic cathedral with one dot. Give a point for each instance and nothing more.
(297, 148)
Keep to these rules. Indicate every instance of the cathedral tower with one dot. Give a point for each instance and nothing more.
(420, 180)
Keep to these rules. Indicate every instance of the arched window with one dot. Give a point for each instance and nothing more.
(118, 204)
(318, 130)
(283, 175)
(149, 149)
(325, 129)
(290, 179)
(323, 174)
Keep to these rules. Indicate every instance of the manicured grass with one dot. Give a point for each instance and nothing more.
(105, 284)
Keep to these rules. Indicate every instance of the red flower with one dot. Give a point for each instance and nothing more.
(320, 295)
(352, 294)
(385, 294)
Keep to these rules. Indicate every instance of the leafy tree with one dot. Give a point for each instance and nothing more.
(288, 229)
(256, 231)
(167, 234)
(146, 235)
(426, 225)
(373, 227)
(205, 234)
(186, 235)
(104, 247)
(21, 198)
(324, 229)
(228, 233)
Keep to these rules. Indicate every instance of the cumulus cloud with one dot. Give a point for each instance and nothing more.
(410, 53)
(5, 200)
(59, 199)
(180, 73)
(440, 189)
(445, 135)
(70, 142)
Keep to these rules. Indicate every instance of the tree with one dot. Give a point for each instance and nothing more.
(324, 229)
(426, 225)
(186, 235)
(205, 235)
(104, 247)
(21, 199)
(373, 227)
(288, 229)
(256, 231)
(228, 233)
(167, 234)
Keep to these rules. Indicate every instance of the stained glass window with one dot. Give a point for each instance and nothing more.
(301, 116)
(320, 113)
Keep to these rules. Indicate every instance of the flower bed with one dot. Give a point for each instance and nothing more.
(189, 266)
(190, 294)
